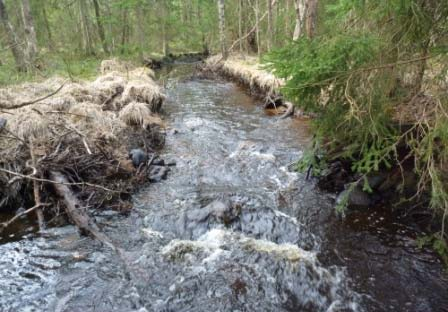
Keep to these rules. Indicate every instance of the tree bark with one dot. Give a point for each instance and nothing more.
(222, 28)
(299, 8)
(270, 29)
(140, 32)
(47, 27)
(124, 30)
(76, 211)
(13, 41)
(31, 51)
(240, 23)
(99, 23)
(164, 22)
(311, 18)
(88, 45)
(257, 25)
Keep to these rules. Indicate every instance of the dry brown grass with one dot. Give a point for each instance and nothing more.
(88, 128)
(248, 71)
(139, 114)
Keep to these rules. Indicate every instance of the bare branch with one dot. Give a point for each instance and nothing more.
(6, 106)
(4, 225)
(53, 182)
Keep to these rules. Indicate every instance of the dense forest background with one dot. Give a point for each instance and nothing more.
(70, 35)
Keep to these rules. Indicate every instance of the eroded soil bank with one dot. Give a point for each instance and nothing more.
(233, 228)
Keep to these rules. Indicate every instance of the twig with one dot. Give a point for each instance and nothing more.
(17, 178)
(252, 30)
(83, 138)
(4, 225)
(5, 106)
(37, 197)
(53, 182)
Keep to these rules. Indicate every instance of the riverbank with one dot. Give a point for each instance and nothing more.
(261, 83)
(398, 187)
(98, 138)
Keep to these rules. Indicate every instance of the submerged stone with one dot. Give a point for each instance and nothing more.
(355, 198)
(138, 157)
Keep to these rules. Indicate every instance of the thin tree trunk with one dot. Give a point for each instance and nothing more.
(240, 23)
(165, 39)
(140, 32)
(299, 8)
(222, 28)
(257, 25)
(100, 26)
(30, 35)
(13, 41)
(88, 47)
(124, 31)
(109, 27)
(47, 27)
(270, 20)
(286, 17)
(311, 18)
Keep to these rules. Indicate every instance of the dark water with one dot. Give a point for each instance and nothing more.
(232, 229)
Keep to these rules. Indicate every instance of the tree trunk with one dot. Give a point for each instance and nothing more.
(240, 23)
(286, 17)
(311, 18)
(300, 10)
(100, 26)
(88, 46)
(140, 32)
(124, 31)
(270, 21)
(30, 35)
(47, 27)
(13, 41)
(222, 28)
(109, 27)
(257, 25)
(165, 37)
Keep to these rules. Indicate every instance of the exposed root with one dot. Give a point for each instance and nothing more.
(289, 110)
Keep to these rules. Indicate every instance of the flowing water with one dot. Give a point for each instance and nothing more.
(231, 229)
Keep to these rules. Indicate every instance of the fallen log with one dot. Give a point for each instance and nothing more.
(86, 225)
(75, 211)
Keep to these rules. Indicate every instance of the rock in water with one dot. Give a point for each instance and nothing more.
(138, 157)
(224, 211)
(221, 210)
(3, 122)
(356, 198)
(157, 173)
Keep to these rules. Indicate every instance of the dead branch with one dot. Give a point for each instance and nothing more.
(83, 138)
(4, 225)
(6, 106)
(37, 197)
(30, 177)
(74, 211)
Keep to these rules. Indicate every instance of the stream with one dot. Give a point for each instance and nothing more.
(233, 228)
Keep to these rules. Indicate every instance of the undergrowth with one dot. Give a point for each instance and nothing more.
(376, 78)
